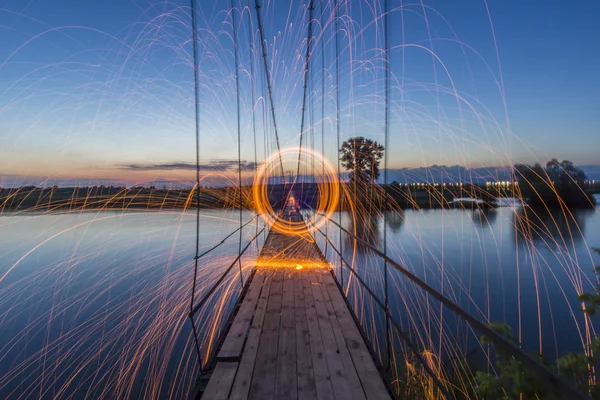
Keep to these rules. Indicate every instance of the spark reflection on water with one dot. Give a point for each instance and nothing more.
(101, 309)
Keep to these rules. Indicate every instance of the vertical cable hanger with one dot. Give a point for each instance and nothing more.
(239, 134)
(313, 131)
(386, 27)
(197, 126)
(323, 104)
(270, 89)
(306, 80)
(252, 86)
(337, 122)
(253, 94)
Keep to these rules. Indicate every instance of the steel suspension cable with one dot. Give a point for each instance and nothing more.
(390, 317)
(197, 127)
(252, 91)
(268, 76)
(323, 101)
(306, 72)
(205, 298)
(386, 27)
(559, 383)
(239, 134)
(313, 132)
(337, 122)
(252, 85)
(225, 238)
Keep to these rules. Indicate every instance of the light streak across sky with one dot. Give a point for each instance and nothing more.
(103, 92)
(94, 92)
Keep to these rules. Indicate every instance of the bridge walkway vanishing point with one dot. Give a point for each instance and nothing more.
(294, 336)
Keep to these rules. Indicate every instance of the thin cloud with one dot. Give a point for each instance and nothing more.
(213, 165)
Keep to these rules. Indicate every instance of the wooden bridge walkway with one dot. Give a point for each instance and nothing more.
(293, 336)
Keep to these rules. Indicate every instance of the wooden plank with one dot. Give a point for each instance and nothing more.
(351, 374)
(337, 372)
(231, 350)
(286, 383)
(370, 378)
(306, 379)
(221, 381)
(265, 369)
(241, 386)
(320, 370)
(295, 339)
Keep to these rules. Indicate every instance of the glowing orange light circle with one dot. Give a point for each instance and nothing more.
(327, 187)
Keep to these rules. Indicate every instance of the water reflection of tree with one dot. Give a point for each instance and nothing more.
(367, 227)
(551, 228)
(395, 220)
(484, 217)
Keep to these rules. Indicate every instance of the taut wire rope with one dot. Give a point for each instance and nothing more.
(197, 127)
(239, 134)
(337, 122)
(306, 72)
(386, 27)
(268, 77)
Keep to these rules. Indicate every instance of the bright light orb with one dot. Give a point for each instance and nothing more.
(328, 189)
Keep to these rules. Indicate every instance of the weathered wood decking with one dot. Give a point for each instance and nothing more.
(293, 336)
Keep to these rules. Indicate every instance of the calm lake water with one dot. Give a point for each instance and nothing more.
(103, 297)
(502, 266)
(91, 301)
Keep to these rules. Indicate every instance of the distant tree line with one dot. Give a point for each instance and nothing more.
(32, 198)
(557, 185)
(560, 184)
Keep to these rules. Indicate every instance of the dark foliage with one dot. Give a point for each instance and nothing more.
(514, 381)
(558, 185)
(361, 157)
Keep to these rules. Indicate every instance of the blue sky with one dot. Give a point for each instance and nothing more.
(104, 90)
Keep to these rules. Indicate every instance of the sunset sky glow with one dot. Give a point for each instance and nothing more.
(103, 91)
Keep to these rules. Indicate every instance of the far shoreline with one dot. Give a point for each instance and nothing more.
(31, 199)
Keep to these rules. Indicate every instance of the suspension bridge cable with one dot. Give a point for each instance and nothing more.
(313, 133)
(266, 125)
(252, 91)
(225, 238)
(312, 118)
(502, 344)
(197, 126)
(252, 85)
(204, 299)
(306, 72)
(239, 130)
(390, 317)
(337, 120)
(268, 76)
(323, 99)
(386, 27)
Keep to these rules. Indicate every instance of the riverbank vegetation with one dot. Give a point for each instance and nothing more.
(513, 380)
(558, 185)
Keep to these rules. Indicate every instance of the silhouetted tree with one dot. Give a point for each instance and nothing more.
(558, 184)
(361, 157)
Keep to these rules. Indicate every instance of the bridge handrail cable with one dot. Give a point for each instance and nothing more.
(560, 384)
(199, 305)
(385, 309)
(224, 239)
